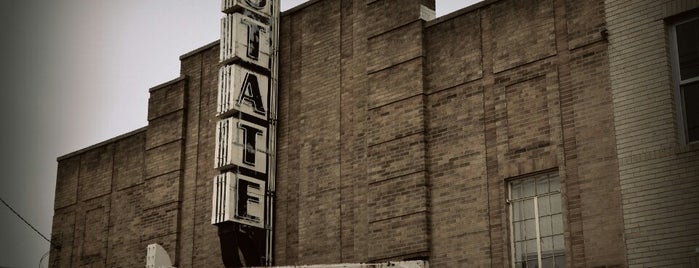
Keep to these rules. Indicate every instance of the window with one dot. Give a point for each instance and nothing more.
(685, 51)
(536, 222)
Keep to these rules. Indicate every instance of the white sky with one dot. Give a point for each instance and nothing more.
(75, 73)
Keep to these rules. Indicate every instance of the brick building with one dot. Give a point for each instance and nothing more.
(655, 117)
(507, 133)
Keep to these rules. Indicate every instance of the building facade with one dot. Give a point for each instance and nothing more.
(653, 58)
(510, 133)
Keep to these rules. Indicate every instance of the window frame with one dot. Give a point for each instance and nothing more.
(511, 219)
(677, 82)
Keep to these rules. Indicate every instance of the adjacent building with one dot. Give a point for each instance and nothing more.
(511, 133)
(653, 70)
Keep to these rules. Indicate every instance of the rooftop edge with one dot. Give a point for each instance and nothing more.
(103, 143)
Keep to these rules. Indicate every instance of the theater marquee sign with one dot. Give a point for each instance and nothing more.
(243, 192)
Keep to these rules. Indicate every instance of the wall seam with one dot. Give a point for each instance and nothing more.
(196, 164)
(339, 134)
(109, 212)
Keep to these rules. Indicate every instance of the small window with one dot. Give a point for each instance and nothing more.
(685, 50)
(536, 222)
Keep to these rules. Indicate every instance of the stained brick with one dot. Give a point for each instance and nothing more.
(385, 15)
(396, 236)
(163, 159)
(63, 235)
(453, 49)
(166, 99)
(395, 83)
(125, 228)
(525, 32)
(396, 121)
(396, 158)
(67, 182)
(397, 46)
(585, 22)
(94, 242)
(129, 161)
(165, 129)
(96, 172)
(161, 190)
(159, 221)
(397, 197)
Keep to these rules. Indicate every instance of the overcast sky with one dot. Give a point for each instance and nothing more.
(75, 73)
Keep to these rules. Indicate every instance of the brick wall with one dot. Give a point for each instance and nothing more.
(316, 89)
(531, 94)
(659, 173)
(508, 89)
(160, 213)
(198, 239)
(97, 213)
(351, 174)
(118, 196)
(396, 140)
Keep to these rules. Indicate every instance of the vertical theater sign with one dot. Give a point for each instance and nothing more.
(243, 192)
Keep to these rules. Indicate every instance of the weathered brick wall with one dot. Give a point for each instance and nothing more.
(659, 174)
(456, 149)
(501, 83)
(127, 202)
(396, 167)
(97, 214)
(312, 90)
(351, 172)
(396, 140)
(160, 214)
(118, 196)
(530, 94)
(198, 239)
(95, 168)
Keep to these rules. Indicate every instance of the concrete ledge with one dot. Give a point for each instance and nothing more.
(182, 77)
(200, 49)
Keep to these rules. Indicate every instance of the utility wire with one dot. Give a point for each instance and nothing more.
(25, 221)
(43, 257)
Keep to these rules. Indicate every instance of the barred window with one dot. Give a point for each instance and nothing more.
(684, 38)
(536, 222)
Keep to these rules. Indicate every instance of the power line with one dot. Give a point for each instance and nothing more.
(44, 257)
(25, 221)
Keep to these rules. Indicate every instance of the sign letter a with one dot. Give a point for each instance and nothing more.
(250, 92)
